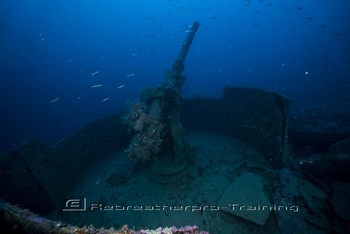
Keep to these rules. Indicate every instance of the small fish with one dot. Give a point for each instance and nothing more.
(94, 73)
(54, 100)
(121, 86)
(298, 8)
(96, 86)
(134, 54)
(188, 31)
(309, 18)
(303, 161)
(106, 99)
(130, 75)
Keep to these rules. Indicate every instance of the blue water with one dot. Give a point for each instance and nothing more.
(50, 51)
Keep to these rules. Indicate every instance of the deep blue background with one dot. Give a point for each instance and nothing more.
(50, 48)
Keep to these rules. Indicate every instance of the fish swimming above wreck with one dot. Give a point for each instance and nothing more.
(239, 123)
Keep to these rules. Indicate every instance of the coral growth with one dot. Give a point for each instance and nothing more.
(135, 110)
(31, 223)
(141, 121)
(187, 230)
(173, 230)
(148, 129)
